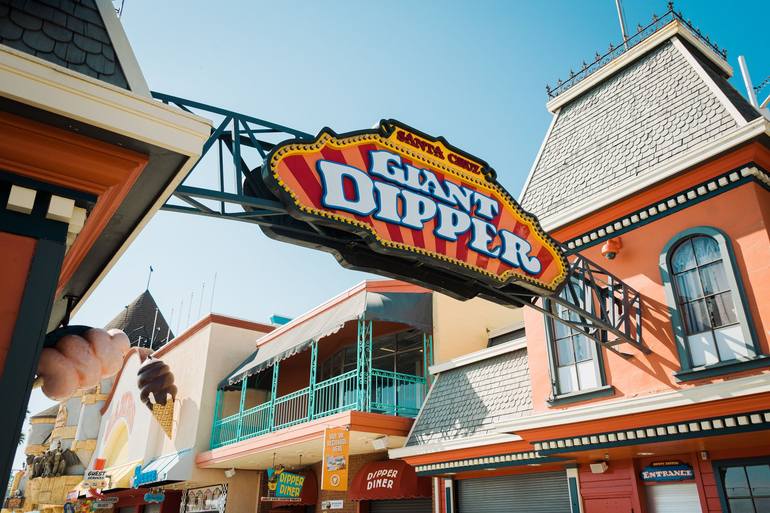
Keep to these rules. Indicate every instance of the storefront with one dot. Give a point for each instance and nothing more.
(305, 502)
(390, 486)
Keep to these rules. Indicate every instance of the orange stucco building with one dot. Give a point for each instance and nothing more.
(655, 169)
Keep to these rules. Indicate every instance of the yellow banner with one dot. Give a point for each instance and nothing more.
(335, 463)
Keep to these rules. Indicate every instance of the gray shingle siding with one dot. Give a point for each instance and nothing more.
(70, 33)
(469, 400)
(637, 119)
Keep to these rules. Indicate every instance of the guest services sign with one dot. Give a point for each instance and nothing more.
(410, 194)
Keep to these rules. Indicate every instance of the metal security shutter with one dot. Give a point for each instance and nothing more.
(545, 492)
(673, 498)
(401, 506)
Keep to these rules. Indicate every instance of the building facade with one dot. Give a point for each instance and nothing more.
(358, 363)
(656, 169)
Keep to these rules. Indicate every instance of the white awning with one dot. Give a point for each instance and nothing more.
(411, 308)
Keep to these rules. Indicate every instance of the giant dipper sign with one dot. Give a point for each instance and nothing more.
(410, 194)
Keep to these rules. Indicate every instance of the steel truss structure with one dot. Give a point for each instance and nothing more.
(227, 183)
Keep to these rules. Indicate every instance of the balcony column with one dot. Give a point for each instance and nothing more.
(313, 369)
(217, 417)
(364, 362)
(240, 407)
(274, 393)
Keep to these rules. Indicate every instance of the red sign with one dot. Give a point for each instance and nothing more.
(409, 194)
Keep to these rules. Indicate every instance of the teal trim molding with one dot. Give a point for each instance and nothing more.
(733, 274)
(582, 395)
(684, 430)
(722, 368)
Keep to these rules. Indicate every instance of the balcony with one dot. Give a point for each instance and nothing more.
(307, 371)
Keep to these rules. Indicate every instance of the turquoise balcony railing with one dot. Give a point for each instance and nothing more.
(362, 389)
(392, 393)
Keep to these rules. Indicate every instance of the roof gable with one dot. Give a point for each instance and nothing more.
(665, 103)
(138, 319)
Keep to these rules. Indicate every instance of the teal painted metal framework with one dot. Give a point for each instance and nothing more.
(363, 389)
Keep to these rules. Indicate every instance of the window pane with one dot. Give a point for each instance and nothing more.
(567, 379)
(730, 343)
(759, 480)
(736, 484)
(722, 309)
(687, 286)
(384, 363)
(713, 278)
(564, 351)
(741, 506)
(561, 330)
(411, 342)
(385, 346)
(583, 349)
(702, 349)
(762, 504)
(706, 250)
(683, 258)
(588, 375)
(410, 363)
(696, 317)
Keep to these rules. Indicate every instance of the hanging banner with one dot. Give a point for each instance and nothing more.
(411, 195)
(334, 467)
(667, 471)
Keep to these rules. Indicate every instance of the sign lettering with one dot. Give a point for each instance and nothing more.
(411, 195)
(667, 471)
(334, 467)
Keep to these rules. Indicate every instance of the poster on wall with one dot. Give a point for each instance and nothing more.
(667, 471)
(334, 467)
(204, 499)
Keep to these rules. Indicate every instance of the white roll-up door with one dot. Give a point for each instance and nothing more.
(401, 506)
(545, 492)
(673, 498)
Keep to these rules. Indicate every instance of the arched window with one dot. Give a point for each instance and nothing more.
(703, 289)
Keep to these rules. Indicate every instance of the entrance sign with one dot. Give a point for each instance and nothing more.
(334, 467)
(667, 471)
(412, 195)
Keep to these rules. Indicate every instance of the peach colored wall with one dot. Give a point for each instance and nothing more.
(744, 215)
(462, 327)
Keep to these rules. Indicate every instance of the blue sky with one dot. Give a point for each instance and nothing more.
(474, 72)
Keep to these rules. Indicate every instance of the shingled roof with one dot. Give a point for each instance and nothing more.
(70, 33)
(137, 321)
(468, 401)
(617, 134)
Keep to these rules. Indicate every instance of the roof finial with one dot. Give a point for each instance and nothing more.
(149, 277)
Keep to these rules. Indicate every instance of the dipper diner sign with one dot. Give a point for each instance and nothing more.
(410, 194)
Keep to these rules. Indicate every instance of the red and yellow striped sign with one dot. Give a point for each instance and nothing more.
(404, 191)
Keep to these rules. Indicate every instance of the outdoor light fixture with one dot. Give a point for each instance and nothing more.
(380, 443)
(229, 473)
(645, 453)
(611, 248)
(599, 467)
(704, 455)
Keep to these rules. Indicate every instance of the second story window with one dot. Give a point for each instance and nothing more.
(706, 302)
(576, 362)
(711, 322)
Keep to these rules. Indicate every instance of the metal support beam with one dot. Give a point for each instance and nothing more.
(364, 362)
(274, 393)
(217, 416)
(313, 370)
(241, 405)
